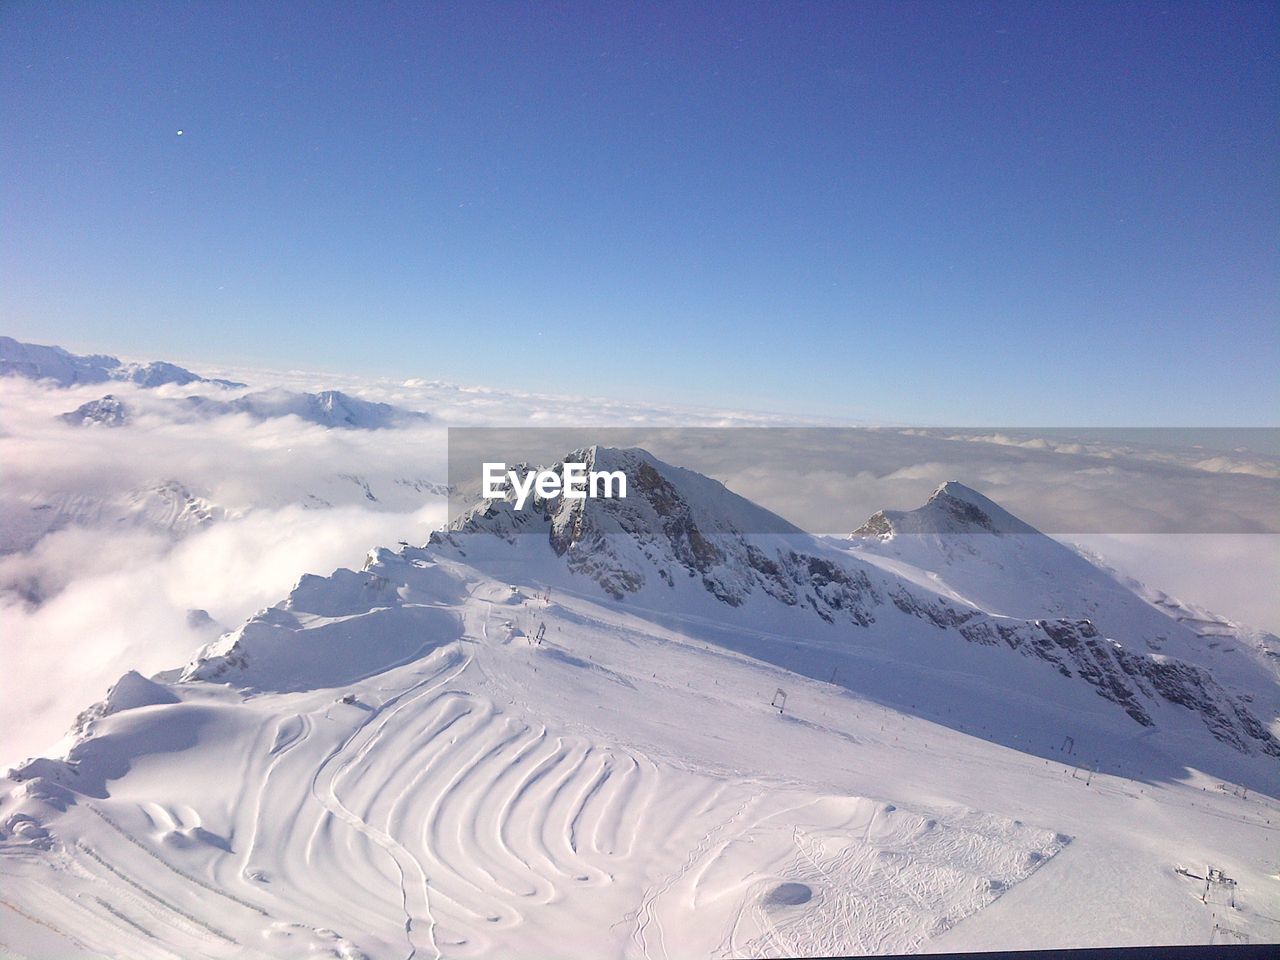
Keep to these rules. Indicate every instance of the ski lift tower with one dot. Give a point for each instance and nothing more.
(779, 700)
(1215, 878)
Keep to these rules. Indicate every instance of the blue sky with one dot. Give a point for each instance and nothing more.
(1019, 213)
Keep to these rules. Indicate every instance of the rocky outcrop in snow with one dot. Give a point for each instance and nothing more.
(109, 411)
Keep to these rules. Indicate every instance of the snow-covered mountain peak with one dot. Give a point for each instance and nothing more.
(658, 490)
(955, 490)
(952, 509)
(660, 497)
(673, 526)
(1017, 571)
(108, 411)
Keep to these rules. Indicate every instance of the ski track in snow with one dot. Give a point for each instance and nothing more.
(324, 787)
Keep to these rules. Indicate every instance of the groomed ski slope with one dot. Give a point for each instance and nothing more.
(618, 790)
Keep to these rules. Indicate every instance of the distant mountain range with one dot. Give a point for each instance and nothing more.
(328, 408)
(37, 362)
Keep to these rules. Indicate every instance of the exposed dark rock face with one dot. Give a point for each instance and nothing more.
(965, 514)
(1128, 679)
(877, 525)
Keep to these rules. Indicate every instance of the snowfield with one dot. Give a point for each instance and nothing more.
(671, 726)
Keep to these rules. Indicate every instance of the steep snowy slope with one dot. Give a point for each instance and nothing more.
(38, 362)
(670, 726)
(962, 543)
(1214, 630)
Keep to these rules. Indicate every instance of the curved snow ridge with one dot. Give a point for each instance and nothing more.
(280, 650)
(486, 817)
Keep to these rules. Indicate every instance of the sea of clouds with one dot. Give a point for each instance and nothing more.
(100, 574)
